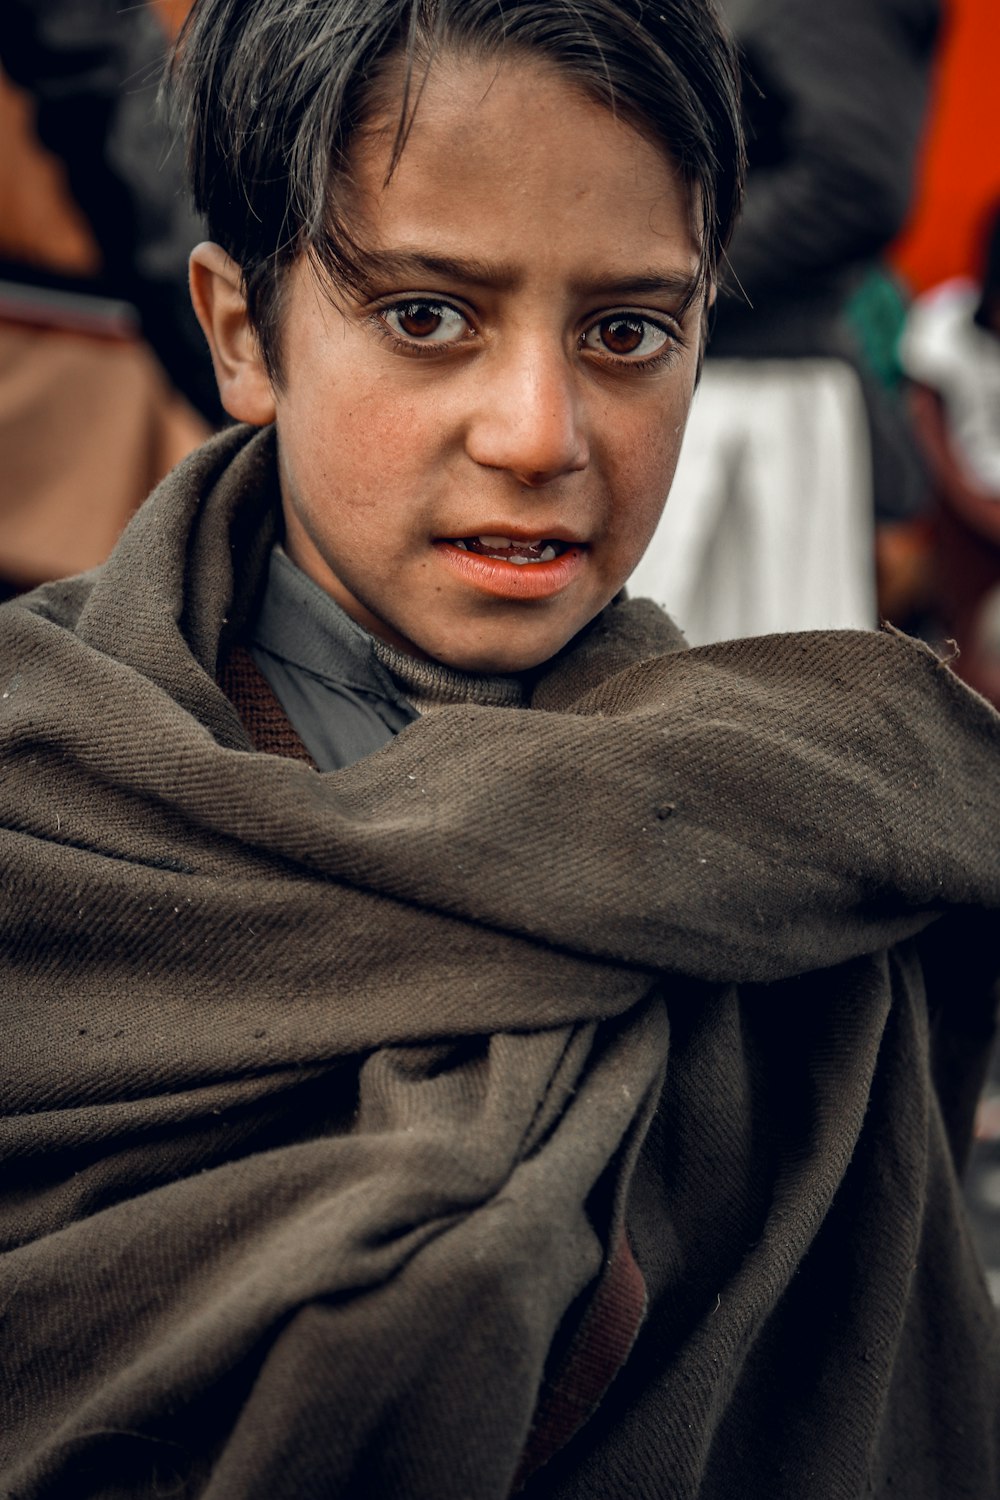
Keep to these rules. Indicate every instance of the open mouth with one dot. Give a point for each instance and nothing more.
(522, 568)
(511, 550)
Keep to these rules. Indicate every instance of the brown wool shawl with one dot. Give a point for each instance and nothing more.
(332, 1102)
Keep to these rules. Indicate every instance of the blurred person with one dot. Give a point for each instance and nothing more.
(951, 345)
(770, 524)
(94, 237)
(950, 351)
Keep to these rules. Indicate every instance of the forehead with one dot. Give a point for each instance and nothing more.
(510, 161)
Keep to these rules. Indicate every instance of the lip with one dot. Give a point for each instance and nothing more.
(555, 533)
(505, 580)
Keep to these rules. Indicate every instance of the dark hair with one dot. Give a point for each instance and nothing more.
(271, 92)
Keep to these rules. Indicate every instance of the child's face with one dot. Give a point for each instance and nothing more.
(514, 381)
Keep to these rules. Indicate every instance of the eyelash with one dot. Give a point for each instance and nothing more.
(418, 348)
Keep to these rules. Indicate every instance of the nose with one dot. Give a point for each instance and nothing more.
(529, 416)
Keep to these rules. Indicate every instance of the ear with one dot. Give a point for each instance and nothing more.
(244, 385)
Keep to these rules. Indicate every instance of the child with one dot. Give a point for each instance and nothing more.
(565, 1096)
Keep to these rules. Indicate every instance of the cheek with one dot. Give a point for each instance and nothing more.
(376, 424)
(352, 439)
(647, 453)
(668, 432)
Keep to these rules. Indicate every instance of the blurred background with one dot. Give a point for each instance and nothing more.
(842, 463)
(105, 382)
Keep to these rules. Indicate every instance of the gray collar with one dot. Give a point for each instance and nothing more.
(345, 692)
(300, 623)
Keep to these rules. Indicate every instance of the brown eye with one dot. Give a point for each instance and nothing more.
(627, 336)
(419, 319)
(425, 322)
(622, 335)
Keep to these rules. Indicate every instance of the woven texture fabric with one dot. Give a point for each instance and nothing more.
(327, 1098)
(429, 685)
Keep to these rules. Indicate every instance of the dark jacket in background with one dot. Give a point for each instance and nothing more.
(836, 98)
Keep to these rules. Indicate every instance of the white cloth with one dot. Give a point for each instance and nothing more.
(942, 347)
(769, 525)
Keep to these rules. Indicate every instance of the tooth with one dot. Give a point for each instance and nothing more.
(519, 560)
(461, 545)
(547, 554)
(496, 541)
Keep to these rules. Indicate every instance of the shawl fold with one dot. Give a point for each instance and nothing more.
(330, 1102)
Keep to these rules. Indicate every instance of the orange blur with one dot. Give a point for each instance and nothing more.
(960, 177)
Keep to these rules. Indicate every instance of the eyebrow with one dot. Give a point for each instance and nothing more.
(412, 265)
